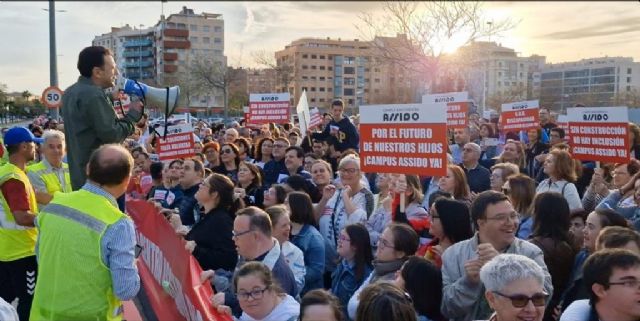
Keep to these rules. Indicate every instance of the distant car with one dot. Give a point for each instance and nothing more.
(215, 120)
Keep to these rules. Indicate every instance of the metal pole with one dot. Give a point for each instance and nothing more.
(53, 64)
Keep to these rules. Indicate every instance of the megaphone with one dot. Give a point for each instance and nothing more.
(166, 99)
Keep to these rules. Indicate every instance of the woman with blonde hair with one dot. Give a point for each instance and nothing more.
(560, 168)
(513, 152)
(521, 190)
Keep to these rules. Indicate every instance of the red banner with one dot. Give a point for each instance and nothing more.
(170, 275)
(599, 134)
(269, 108)
(457, 114)
(178, 144)
(519, 116)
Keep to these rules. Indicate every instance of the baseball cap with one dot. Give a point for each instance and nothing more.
(19, 134)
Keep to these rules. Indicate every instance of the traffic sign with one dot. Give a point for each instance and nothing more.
(52, 97)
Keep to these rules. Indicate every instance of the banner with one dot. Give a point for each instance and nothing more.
(316, 118)
(304, 116)
(599, 134)
(170, 275)
(458, 115)
(519, 116)
(269, 108)
(404, 139)
(121, 104)
(179, 142)
(452, 97)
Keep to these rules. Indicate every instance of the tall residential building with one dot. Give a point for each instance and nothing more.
(591, 82)
(260, 81)
(161, 54)
(491, 70)
(335, 68)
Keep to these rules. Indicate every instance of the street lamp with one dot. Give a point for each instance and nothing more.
(53, 63)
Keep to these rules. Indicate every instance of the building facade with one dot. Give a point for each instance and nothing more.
(591, 82)
(133, 51)
(334, 68)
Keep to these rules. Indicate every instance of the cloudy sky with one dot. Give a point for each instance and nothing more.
(562, 31)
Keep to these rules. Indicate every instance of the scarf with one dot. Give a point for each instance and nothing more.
(383, 269)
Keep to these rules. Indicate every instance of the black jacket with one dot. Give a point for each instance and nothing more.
(348, 136)
(213, 236)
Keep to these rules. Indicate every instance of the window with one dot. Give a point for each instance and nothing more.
(499, 73)
(366, 80)
(322, 78)
(305, 67)
(313, 88)
(520, 75)
(329, 68)
(305, 78)
(217, 40)
(217, 29)
(338, 70)
(322, 57)
(304, 88)
(321, 100)
(194, 39)
(305, 56)
(193, 27)
(628, 88)
(314, 57)
(206, 28)
(321, 89)
(350, 101)
(376, 69)
(377, 80)
(499, 83)
(314, 67)
(313, 78)
(349, 60)
(349, 81)
(348, 91)
(206, 40)
(366, 90)
(628, 79)
(349, 70)
(329, 89)
(322, 67)
(313, 100)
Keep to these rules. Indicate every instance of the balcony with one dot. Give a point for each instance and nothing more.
(138, 43)
(137, 53)
(170, 68)
(135, 75)
(176, 33)
(138, 64)
(170, 56)
(177, 44)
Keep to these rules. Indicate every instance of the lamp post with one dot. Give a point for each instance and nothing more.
(53, 62)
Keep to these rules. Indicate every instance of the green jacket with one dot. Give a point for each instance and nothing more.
(89, 122)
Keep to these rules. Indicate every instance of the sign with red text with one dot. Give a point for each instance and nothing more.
(404, 139)
(519, 116)
(269, 108)
(179, 142)
(121, 105)
(599, 134)
(457, 114)
(316, 118)
(170, 275)
(452, 97)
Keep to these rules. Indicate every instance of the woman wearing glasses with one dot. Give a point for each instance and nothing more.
(260, 297)
(514, 288)
(397, 243)
(230, 160)
(210, 239)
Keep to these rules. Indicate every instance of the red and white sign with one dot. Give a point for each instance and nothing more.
(121, 105)
(563, 122)
(179, 142)
(269, 108)
(599, 134)
(519, 116)
(404, 139)
(52, 97)
(170, 275)
(316, 118)
(458, 114)
(452, 97)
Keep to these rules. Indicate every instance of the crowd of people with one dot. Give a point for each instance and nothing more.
(287, 226)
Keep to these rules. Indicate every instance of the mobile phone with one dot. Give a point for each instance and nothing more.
(137, 250)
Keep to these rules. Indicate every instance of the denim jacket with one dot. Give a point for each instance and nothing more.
(344, 283)
(311, 243)
(622, 206)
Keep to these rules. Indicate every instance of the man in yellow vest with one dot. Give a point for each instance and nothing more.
(18, 266)
(77, 282)
(51, 174)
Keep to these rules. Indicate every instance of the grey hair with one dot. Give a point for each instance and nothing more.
(349, 159)
(506, 268)
(475, 147)
(53, 133)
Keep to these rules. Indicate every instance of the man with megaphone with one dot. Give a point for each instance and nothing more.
(89, 117)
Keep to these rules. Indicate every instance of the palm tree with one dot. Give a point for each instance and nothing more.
(26, 95)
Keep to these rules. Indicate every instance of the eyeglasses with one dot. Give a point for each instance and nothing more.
(255, 294)
(382, 244)
(521, 300)
(238, 234)
(632, 284)
(503, 218)
(279, 146)
(348, 170)
(210, 151)
(343, 238)
(226, 151)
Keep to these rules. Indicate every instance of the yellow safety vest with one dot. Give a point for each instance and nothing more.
(73, 281)
(16, 241)
(50, 178)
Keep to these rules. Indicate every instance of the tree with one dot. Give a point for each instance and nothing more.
(630, 98)
(426, 31)
(214, 75)
(508, 95)
(283, 68)
(3, 94)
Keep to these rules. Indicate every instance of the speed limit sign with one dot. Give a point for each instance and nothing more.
(52, 97)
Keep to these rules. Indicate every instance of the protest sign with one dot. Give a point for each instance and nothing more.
(121, 104)
(452, 97)
(304, 116)
(519, 116)
(269, 108)
(170, 275)
(599, 134)
(405, 139)
(179, 142)
(316, 118)
(457, 107)
(563, 122)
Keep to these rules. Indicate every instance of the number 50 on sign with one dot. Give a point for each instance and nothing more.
(52, 97)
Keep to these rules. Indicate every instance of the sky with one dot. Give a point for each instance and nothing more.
(561, 31)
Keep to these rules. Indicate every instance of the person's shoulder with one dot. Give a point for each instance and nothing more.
(526, 247)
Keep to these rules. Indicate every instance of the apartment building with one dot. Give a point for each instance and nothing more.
(133, 50)
(335, 68)
(591, 82)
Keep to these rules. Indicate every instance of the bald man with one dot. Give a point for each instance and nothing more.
(478, 177)
(72, 226)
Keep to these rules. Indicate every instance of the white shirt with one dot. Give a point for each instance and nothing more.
(578, 310)
(570, 192)
(287, 309)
